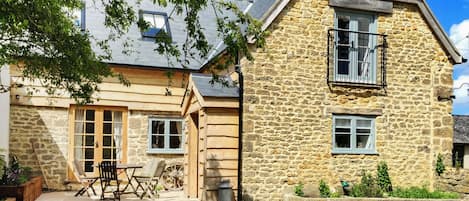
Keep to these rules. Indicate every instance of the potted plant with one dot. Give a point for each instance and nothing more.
(16, 181)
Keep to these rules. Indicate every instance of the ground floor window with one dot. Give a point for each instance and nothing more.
(97, 134)
(353, 134)
(165, 135)
(458, 155)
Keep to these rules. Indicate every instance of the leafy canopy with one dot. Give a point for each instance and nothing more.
(40, 37)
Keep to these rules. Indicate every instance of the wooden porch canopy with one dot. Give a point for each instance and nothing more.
(211, 146)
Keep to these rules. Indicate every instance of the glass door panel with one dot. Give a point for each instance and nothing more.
(112, 136)
(84, 139)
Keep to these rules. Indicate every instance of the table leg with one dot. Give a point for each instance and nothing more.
(129, 179)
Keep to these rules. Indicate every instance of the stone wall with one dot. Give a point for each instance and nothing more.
(46, 128)
(289, 105)
(454, 180)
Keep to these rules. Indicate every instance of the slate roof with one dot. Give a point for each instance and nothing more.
(206, 89)
(461, 129)
(144, 54)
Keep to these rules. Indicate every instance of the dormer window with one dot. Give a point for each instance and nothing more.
(157, 23)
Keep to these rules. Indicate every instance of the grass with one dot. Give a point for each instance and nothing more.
(422, 192)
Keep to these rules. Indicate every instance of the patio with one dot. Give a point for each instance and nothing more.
(68, 196)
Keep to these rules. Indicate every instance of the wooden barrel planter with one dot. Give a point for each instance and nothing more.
(28, 191)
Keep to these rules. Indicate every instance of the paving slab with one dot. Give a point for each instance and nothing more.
(68, 196)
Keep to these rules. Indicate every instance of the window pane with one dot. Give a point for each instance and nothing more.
(363, 131)
(90, 115)
(343, 52)
(342, 122)
(107, 141)
(89, 140)
(118, 117)
(343, 67)
(107, 128)
(364, 123)
(78, 153)
(79, 127)
(89, 153)
(89, 127)
(107, 115)
(157, 127)
(106, 153)
(342, 130)
(342, 141)
(157, 142)
(175, 142)
(175, 127)
(88, 166)
(343, 22)
(78, 140)
(79, 114)
(363, 24)
(362, 141)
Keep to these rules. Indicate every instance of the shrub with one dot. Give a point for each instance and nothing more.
(324, 190)
(440, 166)
(384, 181)
(422, 192)
(368, 187)
(299, 190)
(15, 174)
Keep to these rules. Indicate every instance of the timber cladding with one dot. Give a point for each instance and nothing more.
(289, 106)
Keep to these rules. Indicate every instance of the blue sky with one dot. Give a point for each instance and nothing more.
(453, 15)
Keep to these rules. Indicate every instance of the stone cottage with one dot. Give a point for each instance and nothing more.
(340, 86)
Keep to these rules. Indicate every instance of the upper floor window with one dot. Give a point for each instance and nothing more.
(157, 23)
(353, 135)
(165, 135)
(355, 48)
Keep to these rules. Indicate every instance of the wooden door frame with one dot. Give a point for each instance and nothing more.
(71, 132)
(193, 158)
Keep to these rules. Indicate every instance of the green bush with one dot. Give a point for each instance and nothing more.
(368, 187)
(440, 166)
(384, 181)
(422, 192)
(299, 190)
(324, 190)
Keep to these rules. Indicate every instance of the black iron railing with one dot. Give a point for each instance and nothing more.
(356, 58)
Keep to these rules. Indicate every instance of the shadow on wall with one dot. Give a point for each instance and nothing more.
(218, 171)
(39, 138)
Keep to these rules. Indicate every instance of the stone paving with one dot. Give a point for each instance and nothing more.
(68, 196)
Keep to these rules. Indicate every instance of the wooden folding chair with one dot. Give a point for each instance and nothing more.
(108, 177)
(149, 178)
(85, 181)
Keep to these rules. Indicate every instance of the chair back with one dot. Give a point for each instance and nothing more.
(107, 171)
(160, 168)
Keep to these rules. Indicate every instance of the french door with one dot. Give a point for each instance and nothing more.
(355, 48)
(97, 134)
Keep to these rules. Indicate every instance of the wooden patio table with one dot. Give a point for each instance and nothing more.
(129, 168)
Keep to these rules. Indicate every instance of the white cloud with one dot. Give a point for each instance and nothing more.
(459, 35)
(461, 86)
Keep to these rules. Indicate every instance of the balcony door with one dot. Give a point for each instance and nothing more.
(355, 48)
(98, 134)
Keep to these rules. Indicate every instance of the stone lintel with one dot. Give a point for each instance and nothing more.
(366, 5)
(354, 111)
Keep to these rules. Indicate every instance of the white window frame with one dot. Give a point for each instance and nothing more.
(353, 76)
(353, 135)
(166, 149)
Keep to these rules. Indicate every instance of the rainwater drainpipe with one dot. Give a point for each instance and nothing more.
(240, 124)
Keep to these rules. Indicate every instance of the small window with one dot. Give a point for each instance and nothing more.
(158, 23)
(78, 16)
(353, 135)
(458, 156)
(355, 48)
(165, 135)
